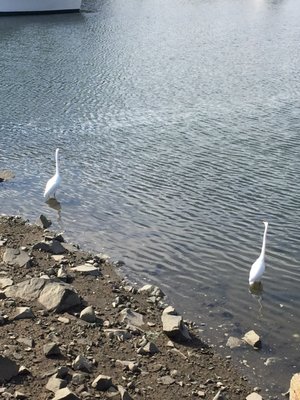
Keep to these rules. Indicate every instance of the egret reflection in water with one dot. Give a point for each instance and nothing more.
(56, 205)
(256, 289)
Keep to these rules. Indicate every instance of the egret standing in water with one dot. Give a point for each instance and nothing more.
(258, 267)
(53, 182)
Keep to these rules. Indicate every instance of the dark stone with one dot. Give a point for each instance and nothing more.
(8, 369)
(43, 221)
(57, 247)
(42, 246)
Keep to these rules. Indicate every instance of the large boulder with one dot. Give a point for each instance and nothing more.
(5, 282)
(54, 296)
(59, 297)
(16, 257)
(27, 290)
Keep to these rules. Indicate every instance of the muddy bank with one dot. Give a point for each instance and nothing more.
(71, 328)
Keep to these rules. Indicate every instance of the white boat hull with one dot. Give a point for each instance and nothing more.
(38, 6)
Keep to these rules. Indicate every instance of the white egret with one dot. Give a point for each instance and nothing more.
(53, 182)
(258, 267)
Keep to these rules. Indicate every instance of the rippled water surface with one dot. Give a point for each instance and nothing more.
(178, 127)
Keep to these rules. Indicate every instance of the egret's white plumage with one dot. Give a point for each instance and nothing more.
(258, 267)
(53, 182)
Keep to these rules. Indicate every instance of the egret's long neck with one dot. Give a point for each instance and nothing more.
(263, 249)
(56, 163)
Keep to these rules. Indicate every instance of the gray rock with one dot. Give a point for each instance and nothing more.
(132, 318)
(123, 393)
(128, 365)
(102, 382)
(3, 242)
(16, 257)
(173, 325)
(43, 221)
(50, 272)
(54, 384)
(234, 342)
(86, 269)
(118, 301)
(82, 364)
(58, 257)
(149, 349)
(218, 395)
(65, 394)
(252, 339)
(24, 313)
(51, 349)
(62, 274)
(102, 257)
(88, 314)
(130, 289)
(8, 369)
(254, 396)
(20, 395)
(78, 378)
(152, 290)
(69, 247)
(166, 380)
(29, 342)
(5, 282)
(27, 290)
(120, 334)
(63, 320)
(59, 297)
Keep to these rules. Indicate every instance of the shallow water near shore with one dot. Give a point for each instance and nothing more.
(178, 124)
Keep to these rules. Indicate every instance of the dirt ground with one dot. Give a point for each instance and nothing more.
(178, 371)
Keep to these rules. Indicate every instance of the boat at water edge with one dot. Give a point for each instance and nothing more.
(8, 7)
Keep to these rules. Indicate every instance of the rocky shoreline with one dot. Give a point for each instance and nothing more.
(72, 328)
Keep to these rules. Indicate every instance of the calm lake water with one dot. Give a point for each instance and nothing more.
(178, 127)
